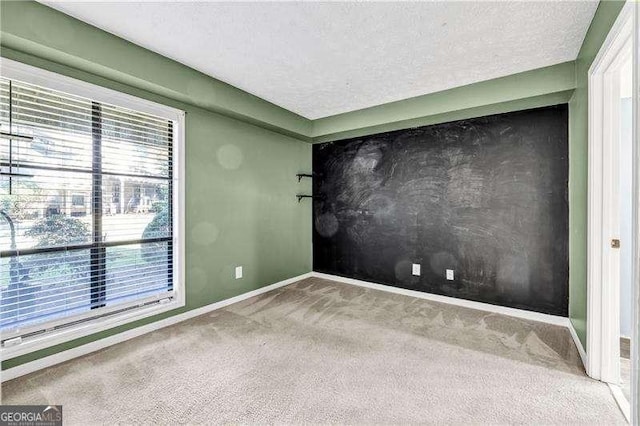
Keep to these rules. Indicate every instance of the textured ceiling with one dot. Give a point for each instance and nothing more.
(322, 59)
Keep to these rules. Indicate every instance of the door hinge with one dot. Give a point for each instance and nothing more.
(615, 243)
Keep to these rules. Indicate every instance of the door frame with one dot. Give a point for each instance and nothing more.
(635, 226)
(603, 289)
(603, 295)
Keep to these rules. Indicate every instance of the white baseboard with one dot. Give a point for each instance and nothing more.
(78, 351)
(621, 400)
(518, 313)
(513, 312)
(578, 343)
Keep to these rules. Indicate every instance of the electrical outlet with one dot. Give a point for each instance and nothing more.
(415, 269)
(238, 272)
(450, 274)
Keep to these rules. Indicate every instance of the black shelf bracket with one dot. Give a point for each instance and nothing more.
(301, 196)
(303, 175)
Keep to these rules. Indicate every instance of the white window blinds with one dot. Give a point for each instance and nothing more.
(86, 208)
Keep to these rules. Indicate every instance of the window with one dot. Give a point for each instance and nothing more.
(89, 207)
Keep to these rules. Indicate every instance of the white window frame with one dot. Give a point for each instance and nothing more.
(28, 74)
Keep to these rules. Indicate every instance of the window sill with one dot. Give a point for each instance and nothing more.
(88, 328)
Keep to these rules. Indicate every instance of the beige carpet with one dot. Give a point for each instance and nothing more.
(324, 352)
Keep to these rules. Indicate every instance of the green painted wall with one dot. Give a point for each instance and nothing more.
(240, 198)
(603, 20)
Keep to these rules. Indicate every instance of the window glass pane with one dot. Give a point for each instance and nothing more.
(57, 127)
(46, 208)
(4, 107)
(44, 286)
(134, 143)
(137, 270)
(82, 173)
(134, 208)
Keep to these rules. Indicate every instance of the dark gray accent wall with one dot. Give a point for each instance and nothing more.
(486, 197)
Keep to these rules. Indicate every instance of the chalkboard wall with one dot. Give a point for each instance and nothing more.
(485, 197)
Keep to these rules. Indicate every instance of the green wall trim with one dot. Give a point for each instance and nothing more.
(602, 22)
(538, 82)
(481, 111)
(36, 29)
